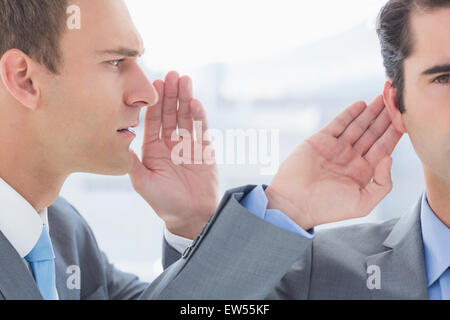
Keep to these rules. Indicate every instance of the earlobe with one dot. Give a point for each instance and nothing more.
(16, 70)
(390, 101)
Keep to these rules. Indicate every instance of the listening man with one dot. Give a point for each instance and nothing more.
(327, 179)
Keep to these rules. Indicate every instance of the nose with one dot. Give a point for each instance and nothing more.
(141, 91)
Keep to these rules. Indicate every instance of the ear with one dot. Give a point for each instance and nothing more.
(390, 101)
(16, 71)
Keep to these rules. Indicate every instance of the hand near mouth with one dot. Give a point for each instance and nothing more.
(186, 195)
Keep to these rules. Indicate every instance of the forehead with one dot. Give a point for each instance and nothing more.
(430, 32)
(105, 25)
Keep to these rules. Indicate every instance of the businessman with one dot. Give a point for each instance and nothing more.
(69, 95)
(69, 99)
(268, 247)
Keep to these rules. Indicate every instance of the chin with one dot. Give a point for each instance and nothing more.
(120, 167)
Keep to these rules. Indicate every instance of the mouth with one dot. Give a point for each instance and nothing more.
(128, 131)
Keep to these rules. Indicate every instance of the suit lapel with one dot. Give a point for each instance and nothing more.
(62, 258)
(62, 287)
(402, 265)
(16, 281)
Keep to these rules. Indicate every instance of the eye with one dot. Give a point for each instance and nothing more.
(445, 78)
(115, 63)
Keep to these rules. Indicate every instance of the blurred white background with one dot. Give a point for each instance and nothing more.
(290, 65)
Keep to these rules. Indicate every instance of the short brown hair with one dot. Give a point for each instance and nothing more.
(34, 27)
(393, 29)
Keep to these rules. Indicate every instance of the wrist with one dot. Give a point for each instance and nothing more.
(177, 242)
(186, 230)
(189, 223)
(276, 200)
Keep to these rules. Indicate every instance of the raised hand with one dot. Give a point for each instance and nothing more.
(185, 195)
(341, 172)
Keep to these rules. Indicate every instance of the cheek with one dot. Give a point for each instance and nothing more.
(432, 115)
(429, 130)
(438, 94)
(95, 106)
(85, 108)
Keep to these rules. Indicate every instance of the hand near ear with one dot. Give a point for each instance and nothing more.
(341, 172)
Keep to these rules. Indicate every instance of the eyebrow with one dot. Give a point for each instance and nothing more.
(437, 69)
(122, 52)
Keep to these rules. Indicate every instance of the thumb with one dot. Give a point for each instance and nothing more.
(138, 170)
(379, 187)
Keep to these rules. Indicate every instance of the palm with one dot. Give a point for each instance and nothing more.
(181, 185)
(183, 195)
(336, 166)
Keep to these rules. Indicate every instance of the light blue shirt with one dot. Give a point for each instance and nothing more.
(256, 202)
(435, 235)
(436, 242)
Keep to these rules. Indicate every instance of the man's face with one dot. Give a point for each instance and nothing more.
(100, 89)
(427, 91)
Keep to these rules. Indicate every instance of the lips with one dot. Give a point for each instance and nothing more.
(129, 128)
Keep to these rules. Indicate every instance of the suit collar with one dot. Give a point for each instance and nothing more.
(64, 259)
(407, 226)
(19, 221)
(16, 281)
(402, 265)
(436, 237)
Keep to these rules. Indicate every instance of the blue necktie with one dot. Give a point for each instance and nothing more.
(42, 261)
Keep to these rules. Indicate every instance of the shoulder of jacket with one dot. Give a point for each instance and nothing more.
(364, 237)
(64, 216)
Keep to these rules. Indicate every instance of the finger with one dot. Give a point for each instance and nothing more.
(138, 173)
(152, 129)
(373, 133)
(201, 121)
(383, 147)
(337, 126)
(378, 188)
(205, 153)
(170, 106)
(357, 128)
(184, 116)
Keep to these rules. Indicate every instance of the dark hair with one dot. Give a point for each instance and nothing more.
(34, 27)
(393, 28)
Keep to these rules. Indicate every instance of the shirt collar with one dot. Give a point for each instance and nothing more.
(436, 237)
(19, 221)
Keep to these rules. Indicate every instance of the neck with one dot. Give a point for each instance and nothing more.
(30, 172)
(438, 195)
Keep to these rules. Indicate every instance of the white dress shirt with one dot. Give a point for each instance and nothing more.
(178, 243)
(22, 225)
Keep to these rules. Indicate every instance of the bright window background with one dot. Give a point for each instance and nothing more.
(288, 64)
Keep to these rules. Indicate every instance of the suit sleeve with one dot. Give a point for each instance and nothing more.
(170, 255)
(236, 256)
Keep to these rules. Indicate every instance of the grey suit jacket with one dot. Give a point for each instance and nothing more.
(74, 245)
(239, 256)
(236, 256)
